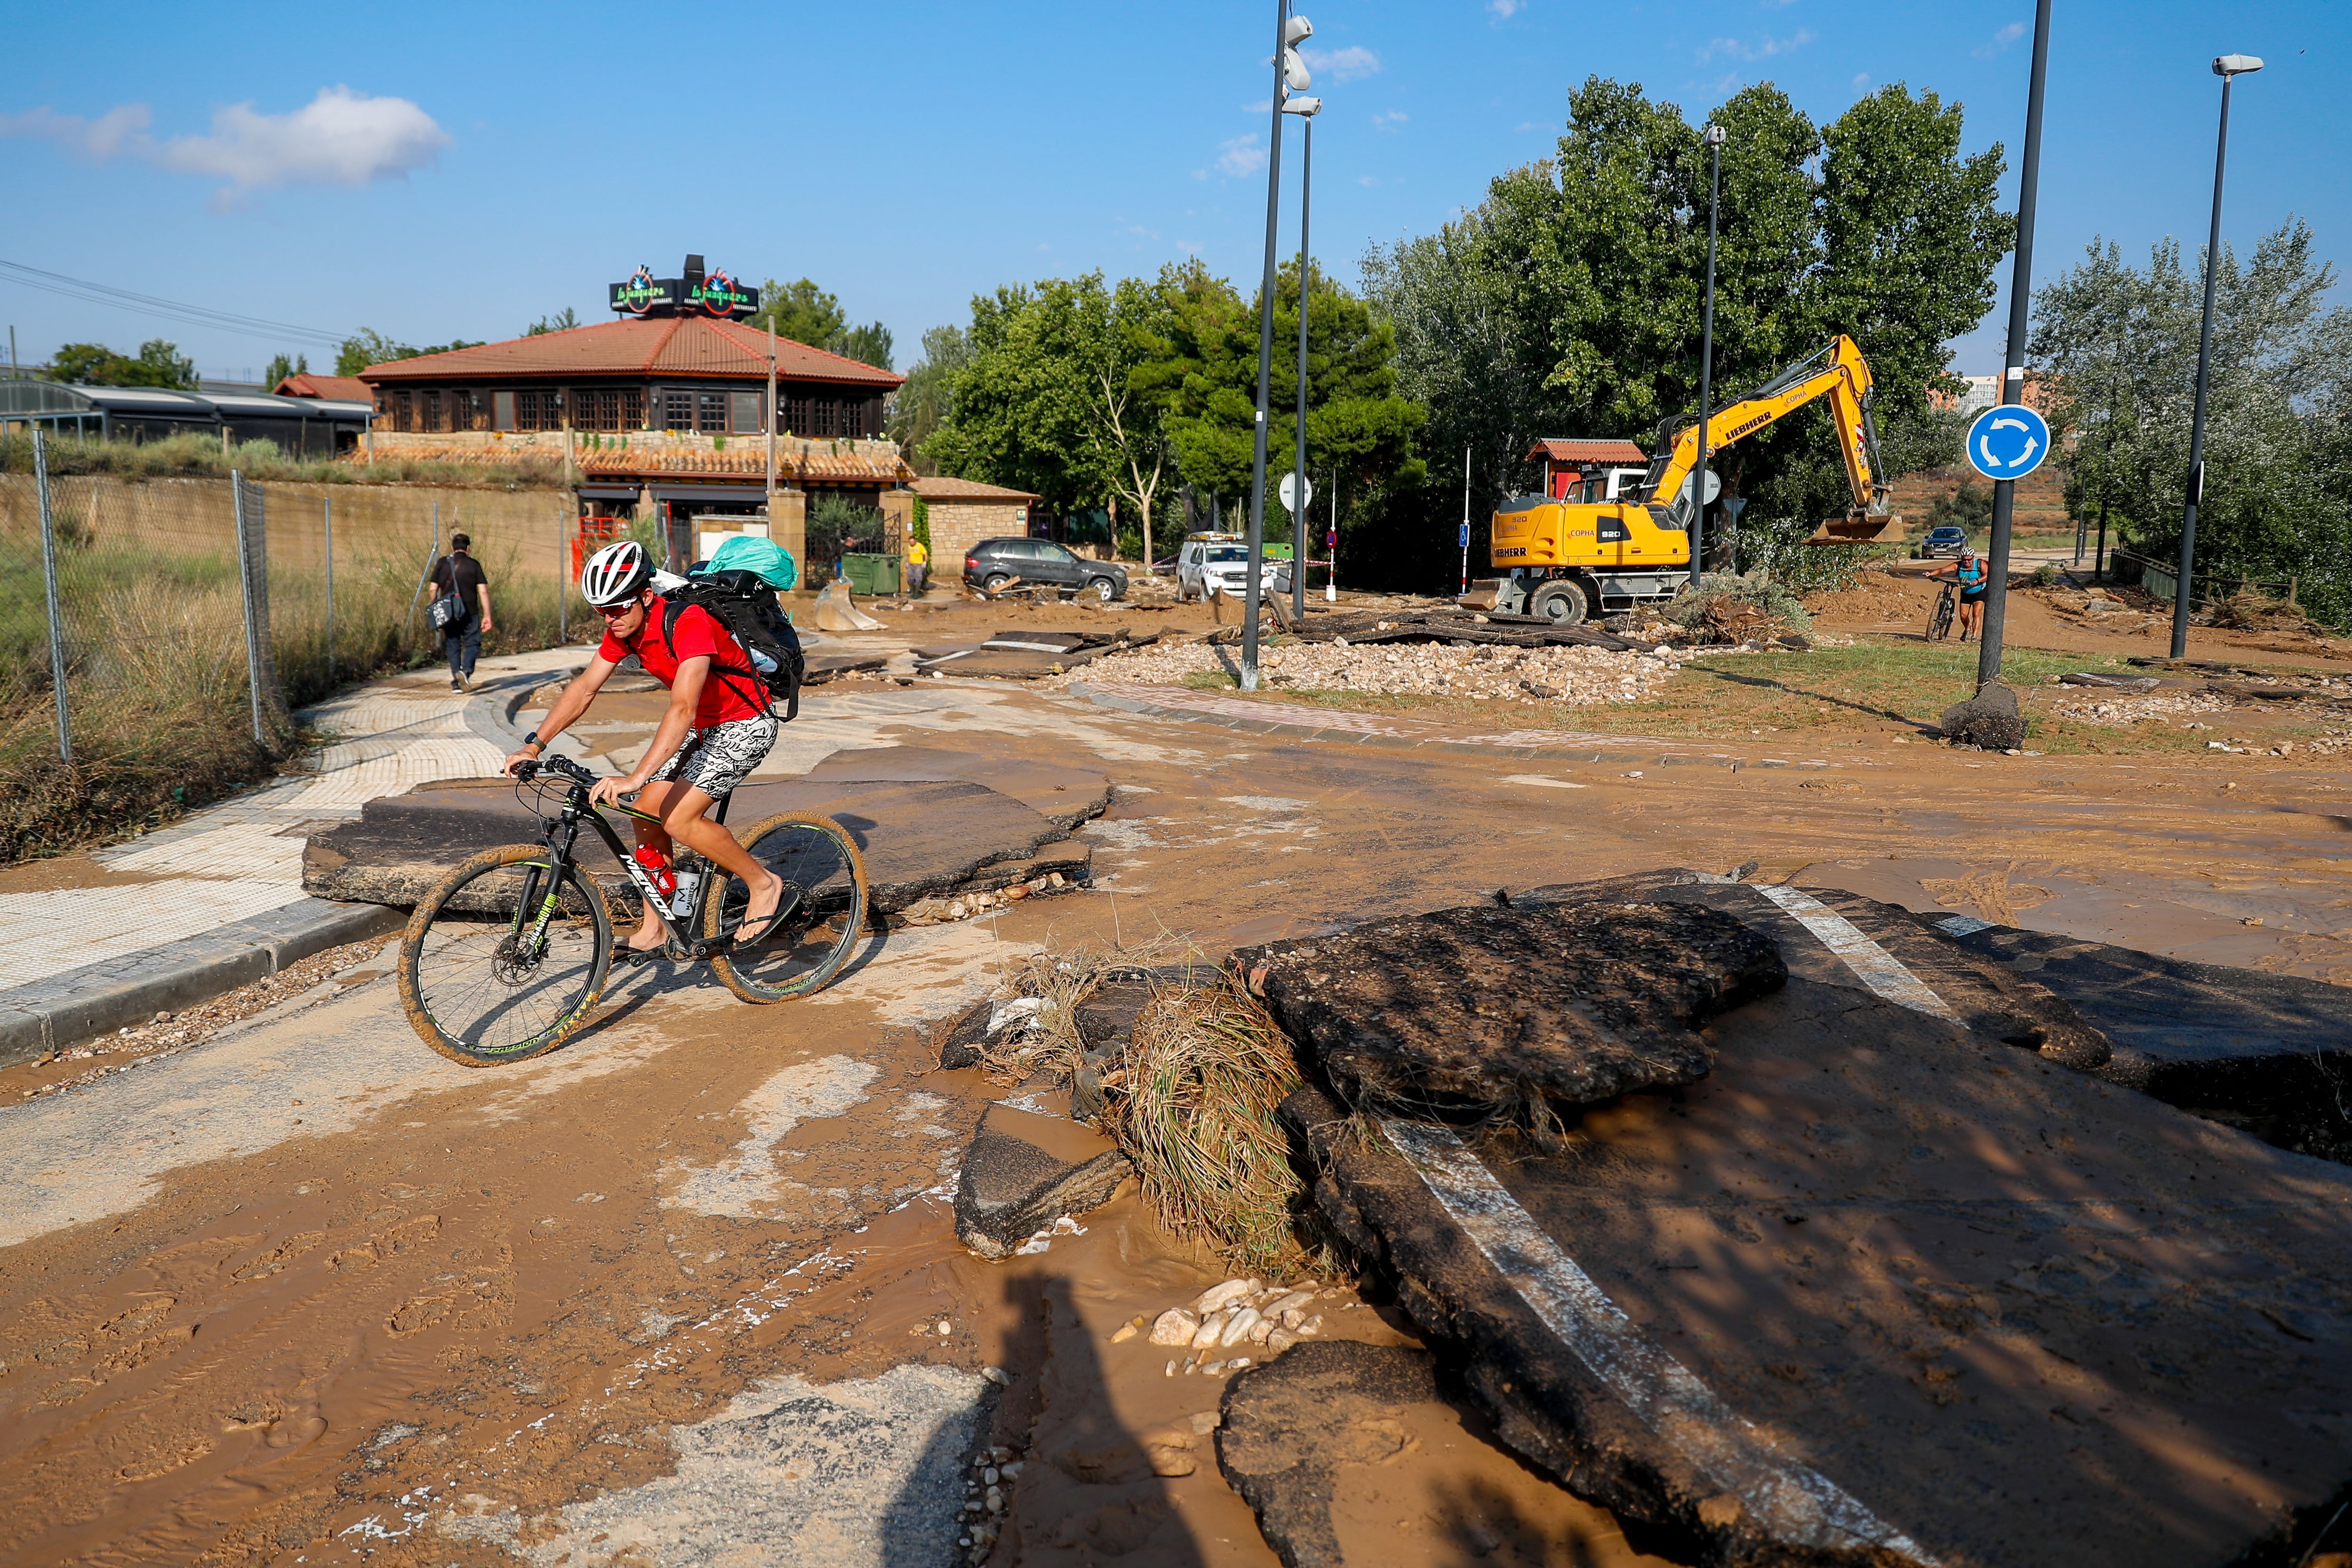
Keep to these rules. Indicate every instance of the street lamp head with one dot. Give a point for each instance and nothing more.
(1302, 106)
(1297, 31)
(1714, 136)
(2227, 66)
(1294, 72)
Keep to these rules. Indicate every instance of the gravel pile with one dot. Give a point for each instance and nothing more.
(1244, 1314)
(1570, 675)
(2113, 708)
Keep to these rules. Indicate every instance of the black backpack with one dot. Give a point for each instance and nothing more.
(747, 609)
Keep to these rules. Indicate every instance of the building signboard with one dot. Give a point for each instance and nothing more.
(696, 292)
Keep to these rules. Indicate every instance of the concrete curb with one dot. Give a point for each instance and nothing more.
(96, 998)
(1438, 741)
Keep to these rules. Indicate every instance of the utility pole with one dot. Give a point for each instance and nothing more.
(1714, 136)
(1306, 109)
(2229, 68)
(770, 503)
(2012, 385)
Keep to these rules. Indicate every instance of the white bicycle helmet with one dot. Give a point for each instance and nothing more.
(616, 573)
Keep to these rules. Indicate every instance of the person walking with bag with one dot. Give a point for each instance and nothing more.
(461, 608)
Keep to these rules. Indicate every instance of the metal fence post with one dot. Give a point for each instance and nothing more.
(49, 580)
(329, 504)
(563, 580)
(244, 580)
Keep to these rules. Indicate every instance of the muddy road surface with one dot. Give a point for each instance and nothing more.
(687, 1290)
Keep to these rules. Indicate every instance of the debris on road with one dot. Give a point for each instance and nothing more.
(837, 611)
(1288, 1428)
(1023, 1170)
(1990, 721)
(1574, 676)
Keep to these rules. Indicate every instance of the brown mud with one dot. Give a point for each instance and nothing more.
(328, 1324)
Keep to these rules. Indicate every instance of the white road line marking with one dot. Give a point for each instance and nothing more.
(1962, 925)
(1878, 969)
(1799, 1506)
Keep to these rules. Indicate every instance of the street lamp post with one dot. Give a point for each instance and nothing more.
(1289, 76)
(1306, 109)
(1715, 138)
(2229, 68)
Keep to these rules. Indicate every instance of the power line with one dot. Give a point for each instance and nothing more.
(169, 310)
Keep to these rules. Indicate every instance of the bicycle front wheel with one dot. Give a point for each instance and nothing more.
(825, 896)
(499, 962)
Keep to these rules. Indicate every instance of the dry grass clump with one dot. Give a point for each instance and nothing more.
(1736, 609)
(1194, 1107)
(2252, 610)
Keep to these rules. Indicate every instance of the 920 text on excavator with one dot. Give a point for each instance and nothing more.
(1567, 561)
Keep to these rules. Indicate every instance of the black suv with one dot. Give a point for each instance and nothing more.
(993, 563)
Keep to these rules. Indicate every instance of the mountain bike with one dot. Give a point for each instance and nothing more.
(506, 957)
(1940, 620)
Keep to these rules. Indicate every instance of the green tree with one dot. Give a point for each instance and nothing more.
(563, 320)
(869, 344)
(1200, 367)
(280, 367)
(157, 363)
(371, 347)
(807, 314)
(2119, 346)
(923, 403)
(1021, 414)
(1568, 302)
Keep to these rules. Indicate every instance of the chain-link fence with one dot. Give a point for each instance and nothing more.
(155, 633)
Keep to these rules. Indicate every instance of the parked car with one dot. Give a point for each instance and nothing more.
(1947, 541)
(993, 563)
(1221, 560)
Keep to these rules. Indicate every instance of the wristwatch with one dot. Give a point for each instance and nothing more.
(532, 740)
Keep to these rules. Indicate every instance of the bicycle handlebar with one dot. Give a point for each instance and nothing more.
(563, 766)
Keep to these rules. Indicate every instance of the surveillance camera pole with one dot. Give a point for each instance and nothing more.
(1253, 590)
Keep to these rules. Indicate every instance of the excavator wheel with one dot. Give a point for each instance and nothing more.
(1562, 602)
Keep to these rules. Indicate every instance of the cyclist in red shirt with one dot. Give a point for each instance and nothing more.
(715, 731)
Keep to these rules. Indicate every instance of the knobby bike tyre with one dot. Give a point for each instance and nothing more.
(473, 986)
(1940, 623)
(824, 889)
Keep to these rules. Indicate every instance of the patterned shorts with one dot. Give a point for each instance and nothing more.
(716, 760)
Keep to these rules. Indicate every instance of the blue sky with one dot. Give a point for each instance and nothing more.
(461, 170)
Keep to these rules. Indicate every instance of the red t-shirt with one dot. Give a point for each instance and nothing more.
(697, 635)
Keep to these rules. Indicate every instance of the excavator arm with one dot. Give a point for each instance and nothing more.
(1836, 371)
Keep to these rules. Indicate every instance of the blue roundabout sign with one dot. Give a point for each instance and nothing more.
(2008, 441)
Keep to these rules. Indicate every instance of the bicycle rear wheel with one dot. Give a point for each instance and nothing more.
(825, 896)
(1939, 624)
(498, 963)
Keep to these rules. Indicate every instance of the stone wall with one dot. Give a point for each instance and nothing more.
(957, 526)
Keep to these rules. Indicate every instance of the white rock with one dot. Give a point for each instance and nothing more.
(1175, 1327)
(1291, 1302)
(1238, 1326)
(991, 1476)
(1216, 1298)
(1313, 1325)
(997, 1375)
(1292, 1318)
(1280, 1340)
(1261, 1331)
(1211, 1327)
(1013, 1471)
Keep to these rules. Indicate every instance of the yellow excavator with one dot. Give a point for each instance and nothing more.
(1565, 560)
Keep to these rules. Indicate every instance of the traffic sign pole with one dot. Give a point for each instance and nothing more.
(2012, 385)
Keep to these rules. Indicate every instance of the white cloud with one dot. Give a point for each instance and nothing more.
(1361, 180)
(1861, 80)
(1243, 156)
(101, 139)
(1505, 10)
(1389, 119)
(1764, 51)
(2000, 41)
(339, 138)
(1342, 65)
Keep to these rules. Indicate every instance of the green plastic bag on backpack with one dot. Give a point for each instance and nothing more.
(769, 560)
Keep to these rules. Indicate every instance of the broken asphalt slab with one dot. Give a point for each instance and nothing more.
(920, 837)
(1288, 1428)
(1881, 1289)
(1024, 1170)
(1025, 653)
(1494, 1010)
(2267, 1053)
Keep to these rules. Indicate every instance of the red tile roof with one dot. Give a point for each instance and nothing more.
(1555, 449)
(679, 345)
(346, 388)
(933, 487)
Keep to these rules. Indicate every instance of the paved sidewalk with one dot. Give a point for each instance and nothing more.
(217, 899)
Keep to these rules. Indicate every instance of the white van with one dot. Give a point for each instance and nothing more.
(1221, 560)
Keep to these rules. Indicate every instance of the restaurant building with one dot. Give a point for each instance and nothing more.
(665, 408)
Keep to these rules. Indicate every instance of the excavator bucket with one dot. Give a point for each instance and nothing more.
(1863, 530)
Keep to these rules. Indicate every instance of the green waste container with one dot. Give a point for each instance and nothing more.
(870, 574)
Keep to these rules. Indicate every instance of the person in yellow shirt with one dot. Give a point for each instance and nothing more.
(918, 565)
